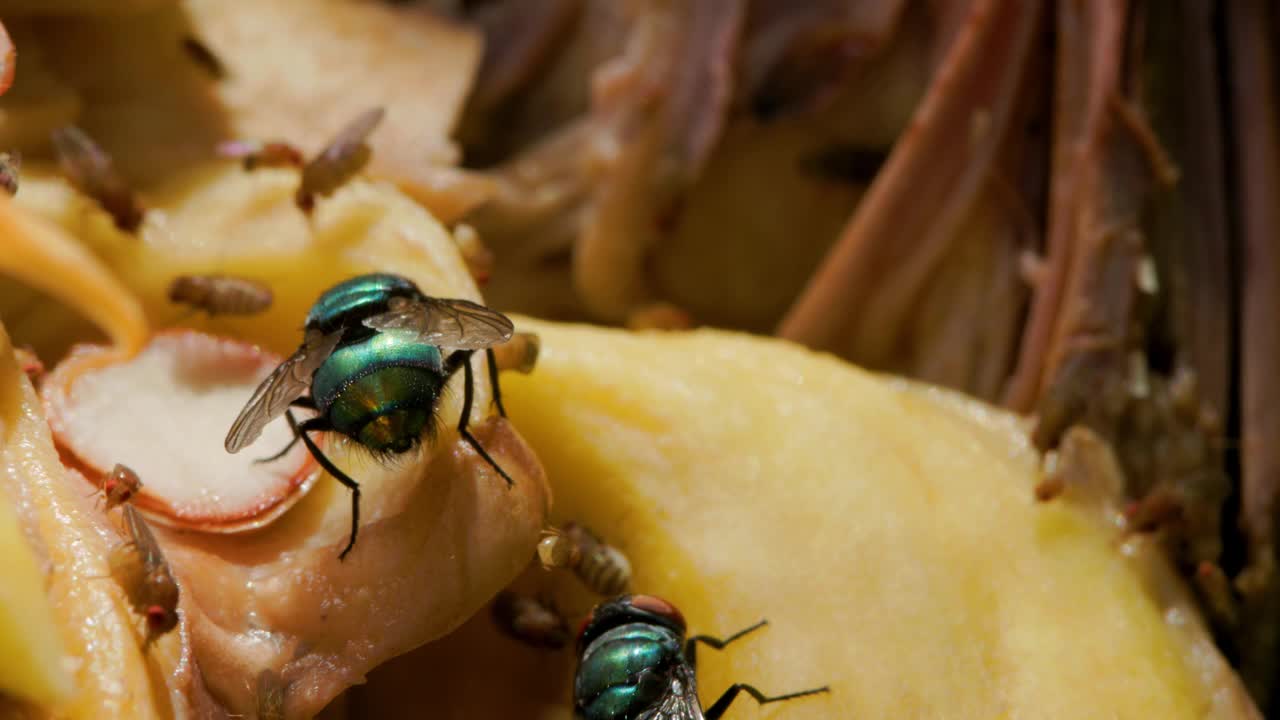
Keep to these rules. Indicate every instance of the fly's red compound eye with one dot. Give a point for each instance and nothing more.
(658, 606)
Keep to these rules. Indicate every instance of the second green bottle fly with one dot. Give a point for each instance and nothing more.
(374, 361)
(635, 663)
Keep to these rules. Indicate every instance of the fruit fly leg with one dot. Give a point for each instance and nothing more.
(533, 621)
(462, 358)
(717, 710)
(319, 424)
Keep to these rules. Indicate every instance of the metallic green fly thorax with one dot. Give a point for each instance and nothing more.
(381, 391)
(348, 303)
(623, 671)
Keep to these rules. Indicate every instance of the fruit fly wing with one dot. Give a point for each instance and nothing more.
(284, 385)
(680, 701)
(453, 323)
(91, 170)
(143, 540)
(353, 134)
(237, 149)
(80, 156)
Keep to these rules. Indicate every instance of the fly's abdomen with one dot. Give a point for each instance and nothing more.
(381, 391)
(348, 303)
(622, 672)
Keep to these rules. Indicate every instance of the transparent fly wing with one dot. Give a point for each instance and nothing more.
(284, 385)
(340, 161)
(91, 170)
(680, 702)
(452, 323)
(82, 160)
(144, 541)
(355, 133)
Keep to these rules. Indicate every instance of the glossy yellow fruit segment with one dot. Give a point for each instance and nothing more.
(30, 648)
(425, 578)
(887, 531)
(217, 219)
(44, 255)
(91, 629)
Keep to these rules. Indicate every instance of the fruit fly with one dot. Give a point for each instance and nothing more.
(373, 366)
(1159, 508)
(221, 294)
(602, 568)
(478, 257)
(254, 154)
(532, 621)
(120, 485)
(635, 663)
(29, 363)
(92, 172)
(10, 167)
(140, 568)
(520, 353)
(345, 156)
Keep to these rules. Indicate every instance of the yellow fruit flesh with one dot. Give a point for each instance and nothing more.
(223, 220)
(887, 531)
(219, 219)
(30, 649)
(94, 626)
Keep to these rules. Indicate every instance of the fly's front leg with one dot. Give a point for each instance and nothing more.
(319, 424)
(715, 643)
(462, 358)
(492, 361)
(717, 710)
(722, 704)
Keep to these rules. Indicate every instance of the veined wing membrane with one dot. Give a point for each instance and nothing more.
(284, 385)
(452, 323)
(353, 134)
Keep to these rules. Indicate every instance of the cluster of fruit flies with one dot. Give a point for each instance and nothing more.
(342, 159)
(635, 658)
(91, 170)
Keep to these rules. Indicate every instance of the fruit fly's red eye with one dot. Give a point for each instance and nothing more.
(157, 616)
(659, 607)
